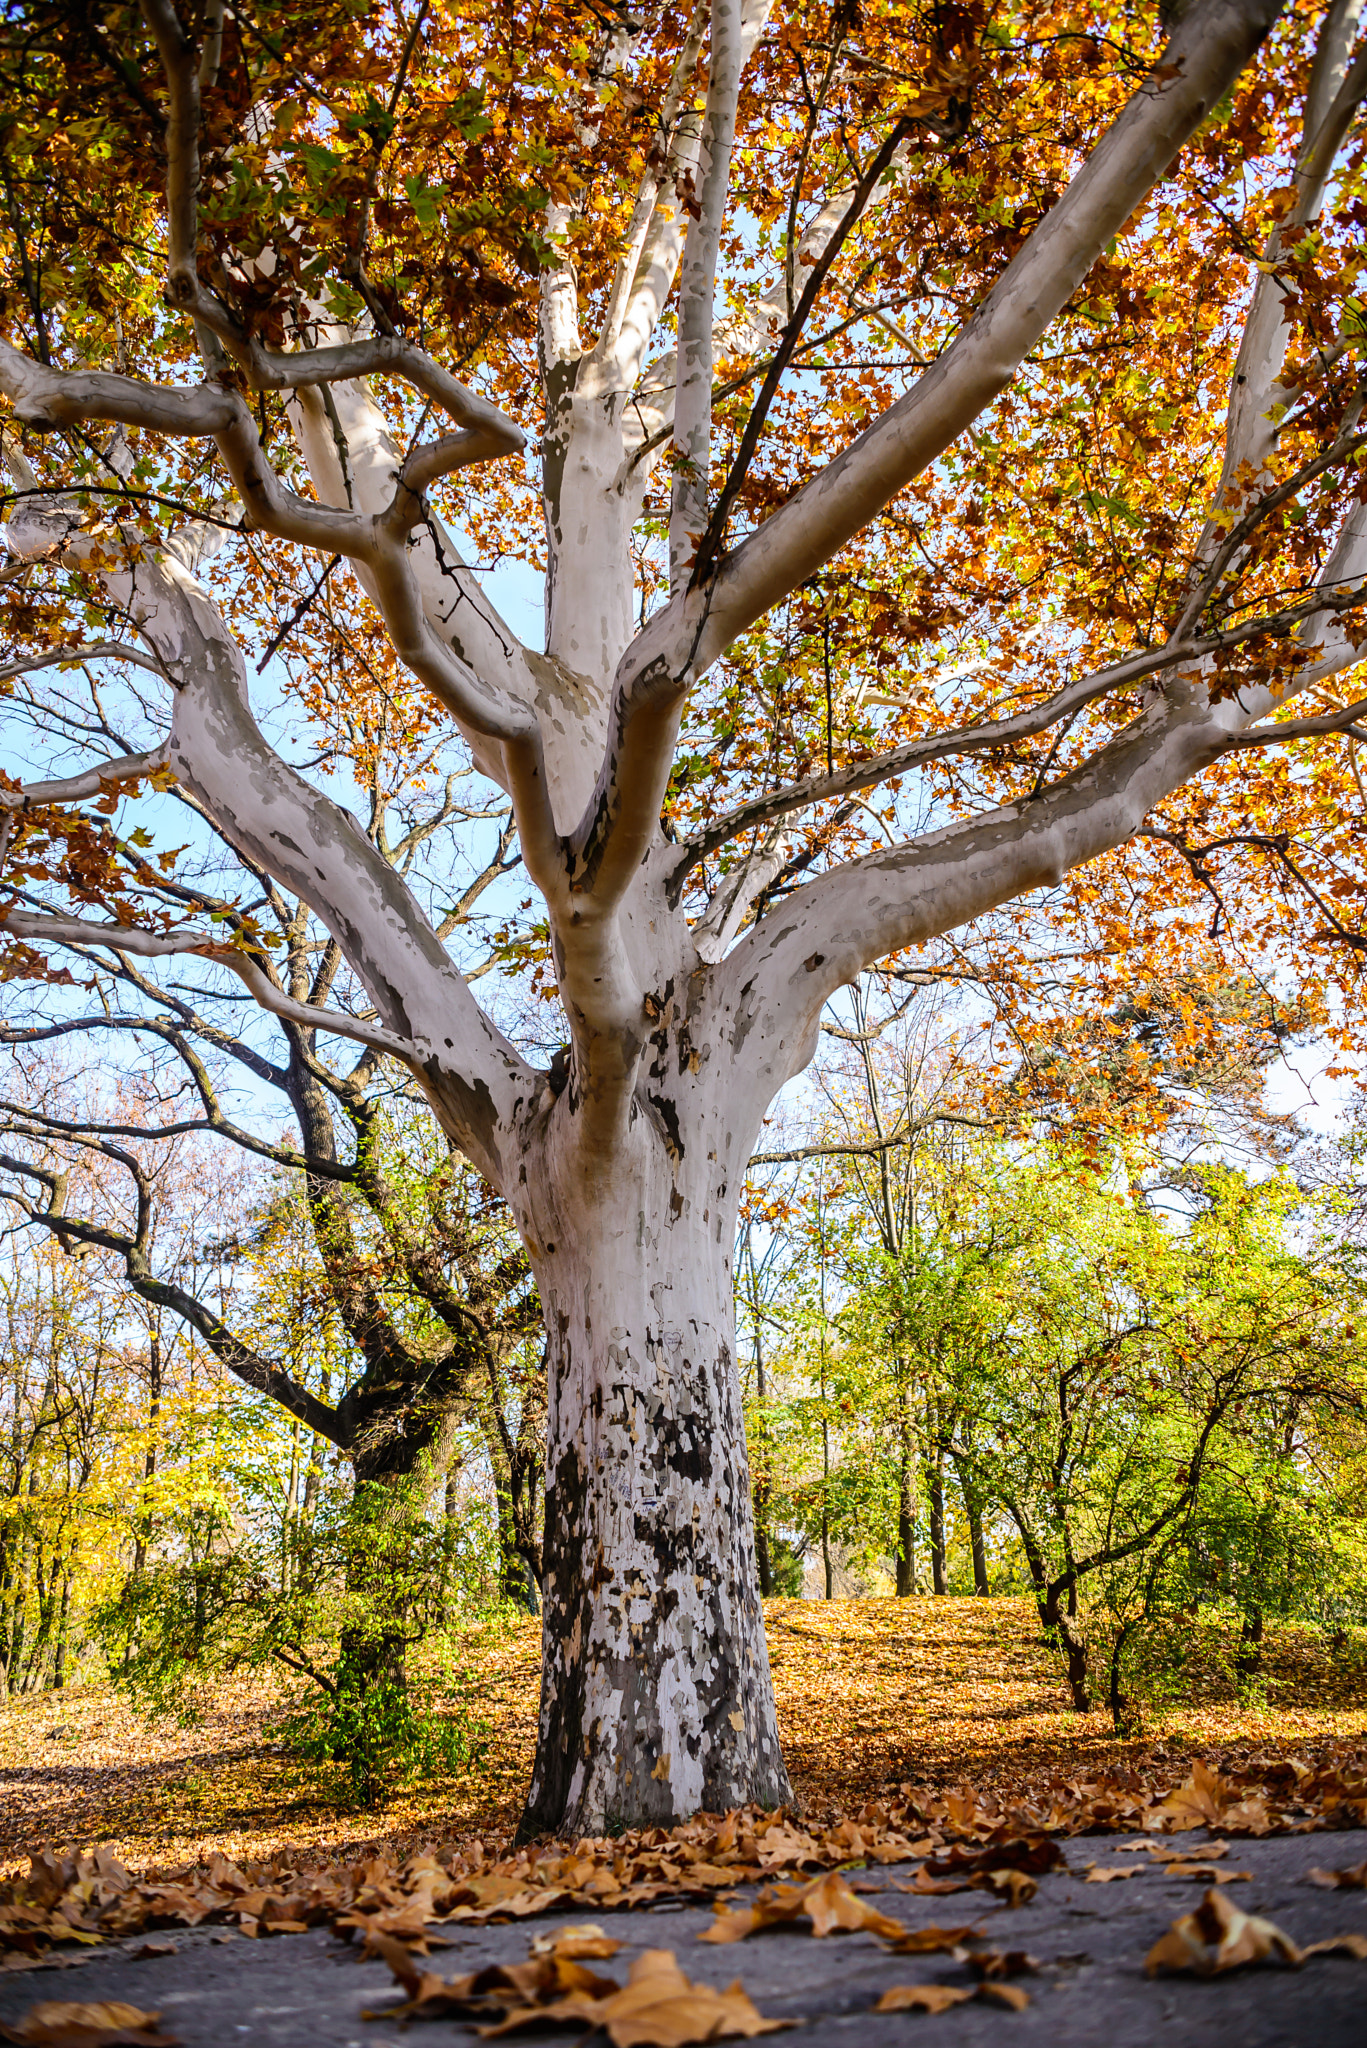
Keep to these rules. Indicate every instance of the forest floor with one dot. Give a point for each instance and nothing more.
(870, 1693)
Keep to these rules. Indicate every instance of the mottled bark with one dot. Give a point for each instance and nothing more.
(656, 1697)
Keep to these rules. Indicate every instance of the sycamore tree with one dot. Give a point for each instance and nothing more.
(997, 369)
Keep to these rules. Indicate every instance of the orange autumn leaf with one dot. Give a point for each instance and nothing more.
(1218, 1937)
(827, 1902)
(107, 2024)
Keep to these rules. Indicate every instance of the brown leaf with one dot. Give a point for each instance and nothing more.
(1209, 1873)
(585, 1941)
(923, 1998)
(927, 1941)
(1197, 1803)
(1352, 1879)
(1005, 1994)
(1033, 1853)
(832, 1906)
(941, 1997)
(541, 1982)
(657, 2008)
(827, 1902)
(1339, 1945)
(997, 1962)
(406, 1924)
(1016, 1887)
(57, 2024)
(1098, 1873)
(934, 1887)
(1218, 1937)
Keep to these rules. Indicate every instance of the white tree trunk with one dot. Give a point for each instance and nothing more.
(656, 1697)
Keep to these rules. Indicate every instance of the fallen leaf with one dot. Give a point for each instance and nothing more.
(942, 1997)
(1005, 1994)
(934, 1886)
(927, 1941)
(1006, 1868)
(1218, 1937)
(1017, 1887)
(994, 1963)
(156, 1948)
(541, 1981)
(1033, 1853)
(1209, 1873)
(827, 1902)
(656, 2008)
(922, 1998)
(586, 1941)
(1353, 1879)
(1097, 1873)
(57, 2024)
(1339, 1945)
(1199, 1802)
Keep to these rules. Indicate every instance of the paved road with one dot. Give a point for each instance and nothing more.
(308, 1991)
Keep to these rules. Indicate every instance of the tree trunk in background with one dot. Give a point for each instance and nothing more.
(760, 1489)
(764, 1566)
(63, 1623)
(936, 1490)
(981, 1585)
(826, 1562)
(973, 1514)
(906, 1518)
(451, 1506)
(143, 1528)
(1249, 1656)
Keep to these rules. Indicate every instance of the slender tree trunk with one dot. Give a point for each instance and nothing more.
(1060, 1622)
(826, 1561)
(656, 1698)
(760, 1490)
(1119, 1705)
(906, 1504)
(936, 1491)
(981, 1583)
(63, 1623)
(973, 1514)
(451, 1516)
(142, 1532)
(1249, 1656)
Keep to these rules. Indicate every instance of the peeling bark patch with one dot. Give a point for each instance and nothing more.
(813, 961)
(667, 1111)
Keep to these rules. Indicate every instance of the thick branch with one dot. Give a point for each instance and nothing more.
(697, 299)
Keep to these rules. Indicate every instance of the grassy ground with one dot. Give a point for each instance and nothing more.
(869, 1692)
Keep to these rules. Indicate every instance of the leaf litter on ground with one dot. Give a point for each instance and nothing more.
(871, 1694)
(979, 1842)
(657, 2007)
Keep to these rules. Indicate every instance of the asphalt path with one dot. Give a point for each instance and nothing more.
(221, 1990)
